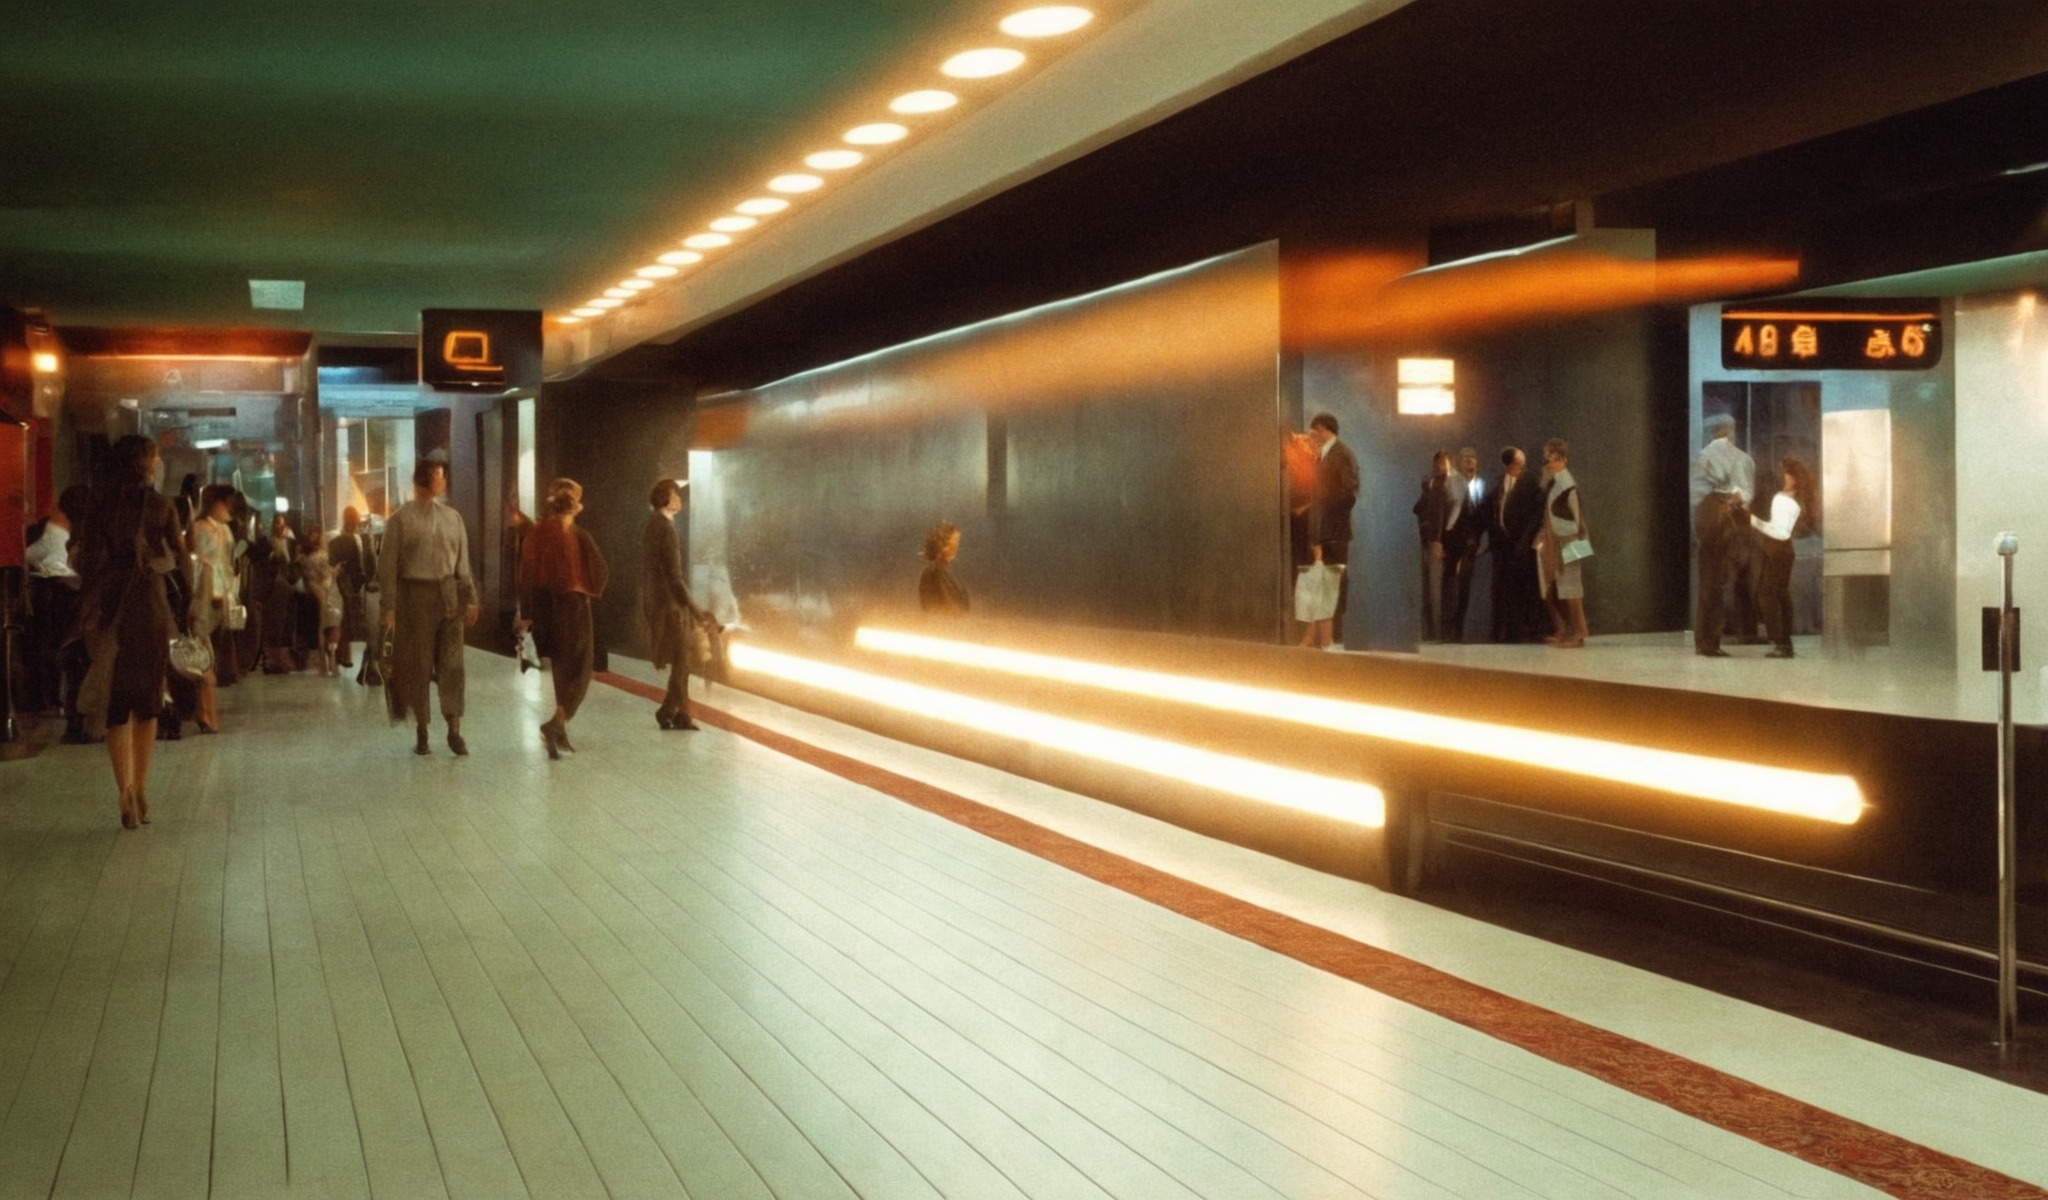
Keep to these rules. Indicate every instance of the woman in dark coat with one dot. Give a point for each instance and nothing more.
(560, 573)
(665, 604)
(130, 549)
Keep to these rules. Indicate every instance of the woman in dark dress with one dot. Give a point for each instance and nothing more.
(560, 574)
(130, 549)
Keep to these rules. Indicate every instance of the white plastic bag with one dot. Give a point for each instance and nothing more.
(1315, 592)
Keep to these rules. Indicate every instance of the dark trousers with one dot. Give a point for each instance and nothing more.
(1724, 555)
(1432, 591)
(1461, 554)
(1517, 598)
(54, 610)
(426, 647)
(562, 634)
(1774, 589)
(676, 704)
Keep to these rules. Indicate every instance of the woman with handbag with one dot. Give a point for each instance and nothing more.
(130, 554)
(560, 573)
(213, 590)
(1562, 545)
(665, 604)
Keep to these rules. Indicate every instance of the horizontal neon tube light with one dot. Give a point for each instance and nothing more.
(1344, 800)
(1834, 798)
(1825, 317)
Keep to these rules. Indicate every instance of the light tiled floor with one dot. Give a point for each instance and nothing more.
(684, 964)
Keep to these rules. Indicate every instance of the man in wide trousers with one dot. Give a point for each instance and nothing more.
(424, 571)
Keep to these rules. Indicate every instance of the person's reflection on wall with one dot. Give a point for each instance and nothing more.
(1432, 514)
(937, 591)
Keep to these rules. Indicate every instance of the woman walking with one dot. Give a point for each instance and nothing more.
(666, 605)
(560, 573)
(131, 553)
(213, 589)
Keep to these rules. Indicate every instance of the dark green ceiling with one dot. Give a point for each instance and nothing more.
(398, 155)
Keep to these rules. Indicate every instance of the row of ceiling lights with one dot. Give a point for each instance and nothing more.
(984, 63)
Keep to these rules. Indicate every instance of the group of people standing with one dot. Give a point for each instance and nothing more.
(1534, 530)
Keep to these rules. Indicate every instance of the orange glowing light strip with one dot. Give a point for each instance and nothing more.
(1833, 798)
(1798, 316)
(1341, 799)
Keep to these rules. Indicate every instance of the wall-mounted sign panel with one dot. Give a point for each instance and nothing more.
(469, 348)
(1831, 335)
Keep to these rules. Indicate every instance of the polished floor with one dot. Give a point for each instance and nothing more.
(784, 958)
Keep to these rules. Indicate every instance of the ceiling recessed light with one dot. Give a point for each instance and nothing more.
(664, 271)
(569, 320)
(1049, 21)
(791, 184)
(288, 294)
(680, 258)
(834, 160)
(636, 285)
(707, 241)
(618, 293)
(930, 100)
(761, 206)
(606, 302)
(881, 133)
(45, 362)
(980, 64)
(733, 224)
(588, 311)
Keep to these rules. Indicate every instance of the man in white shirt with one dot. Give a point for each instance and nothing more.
(1723, 479)
(53, 608)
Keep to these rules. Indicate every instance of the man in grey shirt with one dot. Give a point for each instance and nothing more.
(1723, 477)
(429, 596)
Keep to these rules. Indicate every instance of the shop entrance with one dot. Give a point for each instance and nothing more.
(1773, 421)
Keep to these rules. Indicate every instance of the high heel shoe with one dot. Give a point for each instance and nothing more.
(127, 803)
(662, 719)
(141, 806)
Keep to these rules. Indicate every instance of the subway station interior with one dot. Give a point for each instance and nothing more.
(1136, 743)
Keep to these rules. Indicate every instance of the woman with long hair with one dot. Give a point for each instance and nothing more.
(1796, 507)
(560, 573)
(130, 549)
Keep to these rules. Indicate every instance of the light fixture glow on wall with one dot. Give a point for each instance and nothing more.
(878, 133)
(1832, 798)
(834, 160)
(795, 184)
(982, 64)
(44, 362)
(761, 206)
(1048, 21)
(1341, 799)
(928, 100)
(1426, 387)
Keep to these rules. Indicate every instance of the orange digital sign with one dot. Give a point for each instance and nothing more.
(1862, 335)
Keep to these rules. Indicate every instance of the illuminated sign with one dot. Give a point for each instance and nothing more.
(1831, 335)
(473, 348)
(1426, 387)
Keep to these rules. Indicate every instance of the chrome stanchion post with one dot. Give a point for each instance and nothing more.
(2008, 843)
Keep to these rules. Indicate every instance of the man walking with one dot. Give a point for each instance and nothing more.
(1723, 477)
(429, 596)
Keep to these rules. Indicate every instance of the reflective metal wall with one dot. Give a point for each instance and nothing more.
(1111, 460)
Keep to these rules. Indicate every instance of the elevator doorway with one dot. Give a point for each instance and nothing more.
(1773, 421)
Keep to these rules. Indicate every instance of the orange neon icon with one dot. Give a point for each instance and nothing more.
(1805, 341)
(1880, 345)
(1913, 341)
(469, 350)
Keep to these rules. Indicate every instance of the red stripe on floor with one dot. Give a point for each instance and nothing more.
(1869, 1156)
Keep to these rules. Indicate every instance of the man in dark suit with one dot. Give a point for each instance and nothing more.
(1432, 516)
(1514, 516)
(1330, 515)
(1464, 534)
